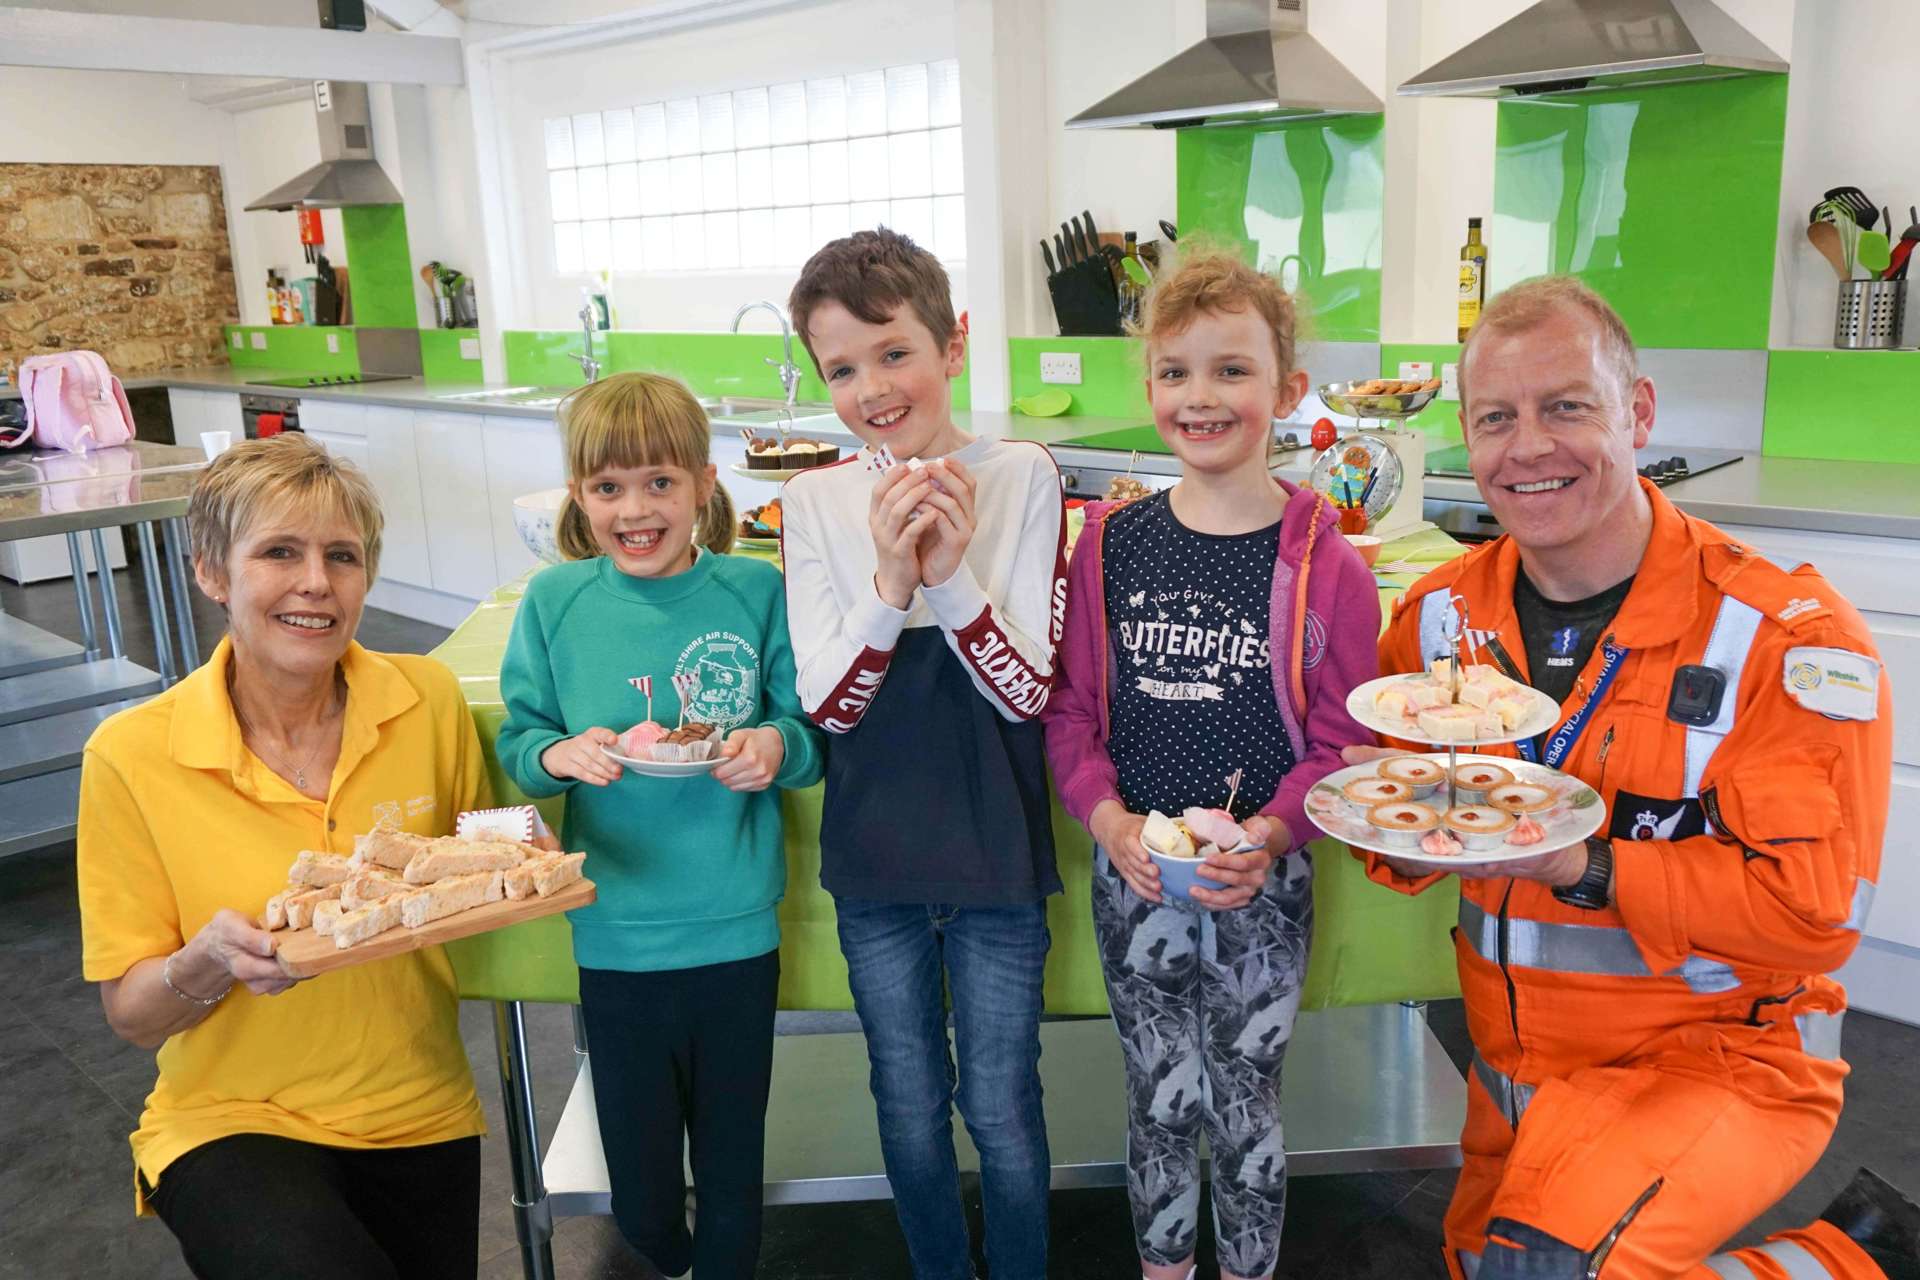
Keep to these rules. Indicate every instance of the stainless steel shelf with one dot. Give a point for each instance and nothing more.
(29, 748)
(1365, 1089)
(36, 812)
(86, 684)
(25, 649)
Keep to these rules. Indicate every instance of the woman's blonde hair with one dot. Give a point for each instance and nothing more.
(637, 420)
(290, 472)
(1203, 279)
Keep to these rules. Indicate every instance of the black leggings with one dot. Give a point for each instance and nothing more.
(254, 1205)
(685, 1057)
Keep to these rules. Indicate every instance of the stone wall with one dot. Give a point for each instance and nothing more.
(131, 261)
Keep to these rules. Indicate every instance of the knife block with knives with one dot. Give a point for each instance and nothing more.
(1086, 298)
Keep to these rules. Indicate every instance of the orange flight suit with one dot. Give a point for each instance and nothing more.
(1652, 1076)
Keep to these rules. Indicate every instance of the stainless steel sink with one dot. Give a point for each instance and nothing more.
(520, 397)
(760, 410)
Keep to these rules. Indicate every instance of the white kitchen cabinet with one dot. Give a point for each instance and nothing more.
(524, 455)
(196, 412)
(333, 417)
(450, 452)
(393, 463)
(352, 448)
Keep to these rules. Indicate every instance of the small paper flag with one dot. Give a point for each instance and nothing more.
(643, 683)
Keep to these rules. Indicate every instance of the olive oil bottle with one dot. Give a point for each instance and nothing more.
(1473, 279)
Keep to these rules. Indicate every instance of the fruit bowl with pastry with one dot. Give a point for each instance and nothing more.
(1178, 846)
(658, 752)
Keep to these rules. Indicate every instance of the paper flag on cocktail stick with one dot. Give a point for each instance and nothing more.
(645, 685)
(1233, 787)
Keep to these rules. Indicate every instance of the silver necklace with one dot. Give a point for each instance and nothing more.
(246, 731)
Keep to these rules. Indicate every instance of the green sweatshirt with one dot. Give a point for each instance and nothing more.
(689, 873)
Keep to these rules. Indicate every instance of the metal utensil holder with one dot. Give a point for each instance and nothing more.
(1870, 314)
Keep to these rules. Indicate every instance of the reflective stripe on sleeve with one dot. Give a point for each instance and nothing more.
(1820, 1033)
(1733, 630)
(1729, 1267)
(1602, 950)
(1862, 905)
(1514, 1098)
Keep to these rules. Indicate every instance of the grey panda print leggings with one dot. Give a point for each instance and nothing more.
(1204, 1002)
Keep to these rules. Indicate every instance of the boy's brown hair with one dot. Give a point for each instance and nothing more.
(871, 273)
(1206, 280)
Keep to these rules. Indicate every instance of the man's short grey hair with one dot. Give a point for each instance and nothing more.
(1530, 302)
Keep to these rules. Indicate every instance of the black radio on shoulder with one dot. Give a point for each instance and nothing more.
(1696, 694)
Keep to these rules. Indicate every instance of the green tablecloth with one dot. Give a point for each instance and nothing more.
(1370, 944)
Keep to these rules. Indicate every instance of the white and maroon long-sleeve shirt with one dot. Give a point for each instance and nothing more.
(934, 755)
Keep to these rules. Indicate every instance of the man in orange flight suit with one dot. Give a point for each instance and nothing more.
(1656, 1047)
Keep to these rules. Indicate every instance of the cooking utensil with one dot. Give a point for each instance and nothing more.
(1897, 262)
(1046, 255)
(1872, 252)
(1861, 209)
(1825, 237)
(1171, 232)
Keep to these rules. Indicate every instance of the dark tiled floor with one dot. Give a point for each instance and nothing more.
(70, 1092)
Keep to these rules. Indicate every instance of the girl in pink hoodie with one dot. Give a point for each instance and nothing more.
(1213, 632)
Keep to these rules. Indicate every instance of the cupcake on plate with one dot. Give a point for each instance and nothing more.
(1402, 823)
(1472, 781)
(689, 743)
(1478, 827)
(1423, 776)
(1368, 792)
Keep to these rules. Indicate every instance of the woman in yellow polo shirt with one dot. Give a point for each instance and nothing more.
(326, 1128)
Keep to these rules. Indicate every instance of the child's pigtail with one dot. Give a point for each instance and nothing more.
(718, 522)
(572, 534)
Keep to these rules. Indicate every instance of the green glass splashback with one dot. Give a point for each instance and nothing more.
(715, 364)
(297, 347)
(379, 265)
(1441, 418)
(440, 358)
(1113, 374)
(1665, 200)
(1303, 200)
(1852, 405)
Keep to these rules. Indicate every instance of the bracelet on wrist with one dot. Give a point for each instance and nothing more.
(166, 976)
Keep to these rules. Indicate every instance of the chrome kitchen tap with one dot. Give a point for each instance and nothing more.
(789, 371)
(589, 365)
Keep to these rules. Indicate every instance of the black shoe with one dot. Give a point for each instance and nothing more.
(1881, 1221)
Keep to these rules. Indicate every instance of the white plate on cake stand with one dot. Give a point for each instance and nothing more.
(1360, 705)
(1576, 814)
(664, 768)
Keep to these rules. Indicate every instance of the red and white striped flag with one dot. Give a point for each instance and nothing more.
(643, 683)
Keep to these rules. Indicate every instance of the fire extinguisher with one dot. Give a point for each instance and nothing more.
(312, 236)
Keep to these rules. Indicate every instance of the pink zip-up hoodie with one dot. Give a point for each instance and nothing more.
(1339, 636)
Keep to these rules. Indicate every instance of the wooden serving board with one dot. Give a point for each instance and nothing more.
(304, 953)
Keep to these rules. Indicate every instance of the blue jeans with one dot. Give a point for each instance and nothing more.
(993, 959)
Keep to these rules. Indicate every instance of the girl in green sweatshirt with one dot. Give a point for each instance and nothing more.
(679, 957)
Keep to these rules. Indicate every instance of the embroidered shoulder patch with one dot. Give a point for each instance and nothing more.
(1838, 683)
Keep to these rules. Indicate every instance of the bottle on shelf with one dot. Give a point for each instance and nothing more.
(1473, 279)
(273, 299)
(1133, 282)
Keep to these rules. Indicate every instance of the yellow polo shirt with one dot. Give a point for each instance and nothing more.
(178, 819)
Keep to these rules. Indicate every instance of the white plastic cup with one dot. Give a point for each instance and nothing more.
(216, 443)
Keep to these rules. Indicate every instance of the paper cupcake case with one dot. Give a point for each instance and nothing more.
(1575, 814)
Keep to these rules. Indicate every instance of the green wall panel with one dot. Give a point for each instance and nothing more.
(1113, 374)
(302, 348)
(380, 267)
(1305, 201)
(440, 358)
(1441, 419)
(1666, 201)
(713, 364)
(1853, 405)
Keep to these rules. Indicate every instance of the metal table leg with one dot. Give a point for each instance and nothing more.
(176, 557)
(532, 1215)
(156, 605)
(83, 596)
(109, 602)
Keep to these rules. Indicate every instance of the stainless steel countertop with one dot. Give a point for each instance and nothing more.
(43, 493)
(1872, 499)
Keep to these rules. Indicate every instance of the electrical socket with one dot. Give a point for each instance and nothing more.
(333, 344)
(1450, 380)
(1060, 366)
(239, 340)
(259, 341)
(469, 348)
(1412, 369)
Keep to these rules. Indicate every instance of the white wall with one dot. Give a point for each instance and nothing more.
(103, 117)
(785, 45)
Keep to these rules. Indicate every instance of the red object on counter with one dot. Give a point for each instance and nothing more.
(1324, 434)
(270, 424)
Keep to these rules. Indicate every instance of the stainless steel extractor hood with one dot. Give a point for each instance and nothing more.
(1570, 46)
(1258, 62)
(347, 173)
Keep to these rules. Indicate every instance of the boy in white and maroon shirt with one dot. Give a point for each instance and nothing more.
(924, 601)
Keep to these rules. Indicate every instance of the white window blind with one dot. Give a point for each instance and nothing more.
(759, 177)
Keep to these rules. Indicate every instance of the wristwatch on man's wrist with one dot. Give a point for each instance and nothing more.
(1589, 892)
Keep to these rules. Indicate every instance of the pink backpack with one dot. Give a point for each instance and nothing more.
(74, 402)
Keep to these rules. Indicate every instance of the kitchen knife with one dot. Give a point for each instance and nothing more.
(1046, 255)
(1066, 235)
(1080, 239)
(1093, 232)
